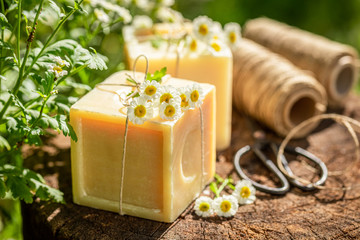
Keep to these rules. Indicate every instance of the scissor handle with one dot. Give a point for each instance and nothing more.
(285, 186)
(302, 152)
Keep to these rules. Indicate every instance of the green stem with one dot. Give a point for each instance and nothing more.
(41, 112)
(18, 32)
(51, 38)
(223, 185)
(71, 74)
(21, 76)
(2, 38)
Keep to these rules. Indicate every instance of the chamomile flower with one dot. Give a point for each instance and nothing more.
(225, 206)
(101, 15)
(171, 110)
(57, 70)
(166, 14)
(184, 95)
(150, 89)
(144, 5)
(232, 33)
(203, 207)
(203, 28)
(218, 32)
(140, 110)
(244, 192)
(60, 62)
(196, 96)
(142, 22)
(192, 43)
(216, 47)
(167, 93)
(123, 13)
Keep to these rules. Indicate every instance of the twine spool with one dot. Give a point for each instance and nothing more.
(273, 91)
(333, 64)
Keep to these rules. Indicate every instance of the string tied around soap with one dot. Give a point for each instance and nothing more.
(143, 99)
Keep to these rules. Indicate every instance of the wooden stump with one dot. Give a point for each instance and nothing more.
(324, 214)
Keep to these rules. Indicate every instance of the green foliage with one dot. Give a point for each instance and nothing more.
(157, 76)
(36, 88)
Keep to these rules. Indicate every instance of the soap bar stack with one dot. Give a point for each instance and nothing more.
(186, 56)
(163, 170)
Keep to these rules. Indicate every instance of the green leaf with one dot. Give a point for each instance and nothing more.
(157, 76)
(78, 85)
(48, 82)
(4, 144)
(67, 45)
(92, 60)
(42, 190)
(33, 113)
(55, 7)
(6, 45)
(34, 137)
(65, 127)
(53, 123)
(43, 122)
(4, 23)
(96, 61)
(61, 119)
(19, 188)
(2, 188)
(155, 43)
(72, 133)
(214, 188)
(11, 124)
(63, 108)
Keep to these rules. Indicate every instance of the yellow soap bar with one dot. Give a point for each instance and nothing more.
(203, 66)
(163, 167)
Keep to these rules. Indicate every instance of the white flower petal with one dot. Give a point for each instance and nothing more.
(203, 207)
(232, 33)
(196, 96)
(225, 206)
(146, 106)
(203, 28)
(244, 192)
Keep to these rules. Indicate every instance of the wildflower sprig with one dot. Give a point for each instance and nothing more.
(151, 97)
(225, 205)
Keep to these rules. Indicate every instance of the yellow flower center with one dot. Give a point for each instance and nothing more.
(165, 98)
(62, 63)
(245, 192)
(57, 68)
(150, 90)
(204, 207)
(169, 111)
(184, 101)
(193, 45)
(232, 37)
(194, 96)
(225, 206)
(140, 111)
(203, 29)
(216, 46)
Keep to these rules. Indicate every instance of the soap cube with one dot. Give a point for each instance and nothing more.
(203, 65)
(163, 166)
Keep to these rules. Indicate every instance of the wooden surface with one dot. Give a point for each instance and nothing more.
(325, 214)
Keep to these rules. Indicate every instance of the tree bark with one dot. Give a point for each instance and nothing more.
(323, 214)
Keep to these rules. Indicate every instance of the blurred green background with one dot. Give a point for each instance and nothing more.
(337, 20)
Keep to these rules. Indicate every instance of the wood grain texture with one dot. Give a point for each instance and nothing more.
(325, 214)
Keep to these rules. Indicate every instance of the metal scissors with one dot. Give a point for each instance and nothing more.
(259, 147)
